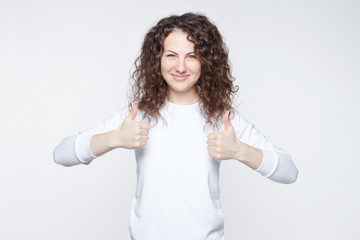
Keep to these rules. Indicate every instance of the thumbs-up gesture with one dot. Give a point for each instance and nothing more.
(132, 134)
(224, 145)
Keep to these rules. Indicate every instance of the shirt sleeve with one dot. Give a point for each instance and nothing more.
(74, 149)
(277, 165)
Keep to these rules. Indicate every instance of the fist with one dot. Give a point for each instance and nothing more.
(132, 134)
(224, 145)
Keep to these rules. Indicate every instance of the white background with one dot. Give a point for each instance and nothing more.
(64, 65)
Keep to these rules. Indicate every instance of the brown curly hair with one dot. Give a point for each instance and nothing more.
(215, 85)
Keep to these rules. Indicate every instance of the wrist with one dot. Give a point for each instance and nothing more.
(240, 154)
(250, 156)
(114, 139)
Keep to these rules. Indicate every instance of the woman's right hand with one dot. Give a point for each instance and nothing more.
(132, 134)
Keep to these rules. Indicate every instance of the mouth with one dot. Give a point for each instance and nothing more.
(180, 77)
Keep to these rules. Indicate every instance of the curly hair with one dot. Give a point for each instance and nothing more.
(215, 84)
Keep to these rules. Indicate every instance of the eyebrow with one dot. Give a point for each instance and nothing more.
(167, 50)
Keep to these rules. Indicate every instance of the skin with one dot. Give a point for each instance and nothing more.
(225, 145)
(131, 135)
(181, 69)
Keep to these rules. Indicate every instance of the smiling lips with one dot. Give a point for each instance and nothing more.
(180, 77)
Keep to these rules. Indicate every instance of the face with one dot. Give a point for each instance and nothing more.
(180, 67)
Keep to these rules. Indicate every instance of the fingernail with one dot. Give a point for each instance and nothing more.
(131, 104)
(229, 113)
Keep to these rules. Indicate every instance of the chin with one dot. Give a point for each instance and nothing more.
(180, 88)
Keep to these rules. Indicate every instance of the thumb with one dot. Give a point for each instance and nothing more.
(133, 112)
(227, 122)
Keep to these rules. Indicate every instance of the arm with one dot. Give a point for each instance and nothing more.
(105, 136)
(275, 164)
(75, 149)
(246, 144)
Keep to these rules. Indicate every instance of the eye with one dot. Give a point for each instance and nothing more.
(170, 55)
(192, 56)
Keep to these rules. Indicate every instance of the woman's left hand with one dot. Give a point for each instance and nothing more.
(225, 145)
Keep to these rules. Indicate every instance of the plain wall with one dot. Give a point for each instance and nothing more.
(64, 65)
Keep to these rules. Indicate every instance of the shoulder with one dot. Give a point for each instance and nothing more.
(237, 117)
(114, 119)
(239, 121)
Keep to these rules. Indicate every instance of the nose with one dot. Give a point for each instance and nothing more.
(180, 66)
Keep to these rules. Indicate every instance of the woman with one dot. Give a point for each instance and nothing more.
(181, 124)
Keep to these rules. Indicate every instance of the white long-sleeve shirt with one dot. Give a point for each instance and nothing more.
(177, 193)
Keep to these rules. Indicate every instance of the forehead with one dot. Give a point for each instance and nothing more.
(177, 41)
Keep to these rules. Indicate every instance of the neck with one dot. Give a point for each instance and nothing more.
(183, 99)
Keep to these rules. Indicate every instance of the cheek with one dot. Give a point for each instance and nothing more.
(196, 68)
(165, 67)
